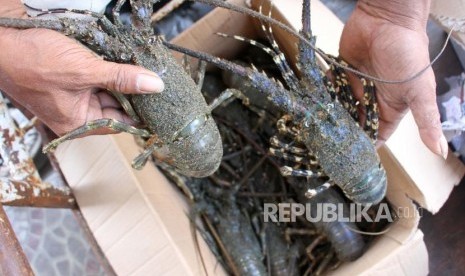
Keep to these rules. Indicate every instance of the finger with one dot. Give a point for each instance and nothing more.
(126, 78)
(107, 100)
(386, 129)
(422, 102)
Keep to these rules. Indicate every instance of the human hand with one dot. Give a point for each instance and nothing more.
(388, 39)
(63, 83)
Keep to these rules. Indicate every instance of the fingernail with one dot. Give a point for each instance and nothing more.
(444, 147)
(149, 83)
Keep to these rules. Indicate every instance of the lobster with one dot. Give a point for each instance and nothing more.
(177, 123)
(348, 245)
(344, 151)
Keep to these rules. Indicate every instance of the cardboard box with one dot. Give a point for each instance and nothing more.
(451, 14)
(140, 221)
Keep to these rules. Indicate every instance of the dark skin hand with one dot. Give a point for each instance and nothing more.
(60, 81)
(388, 39)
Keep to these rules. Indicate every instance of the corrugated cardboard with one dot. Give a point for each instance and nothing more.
(140, 221)
(137, 217)
(430, 178)
(451, 14)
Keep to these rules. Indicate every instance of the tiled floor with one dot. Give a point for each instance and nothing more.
(52, 240)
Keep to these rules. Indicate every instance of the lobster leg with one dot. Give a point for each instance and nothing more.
(186, 64)
(201, 74)
(276, 54)
(343, 93)
(291, 157)
(95, 125)
(312, 170)
(278, 95)
(115, 11)
(279, 57)
(226, 95)
(275, 142)
(142, 11)
(126, 106)
(289, 171)
(343, 90)
(178, 179)
(281, 124)
(371, 107)
(318, 190)
(165, 10)
(152, 145)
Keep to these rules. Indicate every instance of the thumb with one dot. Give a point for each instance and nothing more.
(125, 78)
(426, 114)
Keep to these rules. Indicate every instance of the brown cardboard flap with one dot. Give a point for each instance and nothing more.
(137, 217)
(325, 25)
(431, 178)
(451, 8)
(202, 36)
(290, 12)
(450, 14)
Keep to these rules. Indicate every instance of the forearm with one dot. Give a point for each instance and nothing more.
(406, 13)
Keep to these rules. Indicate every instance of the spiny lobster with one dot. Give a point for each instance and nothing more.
(177, 122)
(345, 153)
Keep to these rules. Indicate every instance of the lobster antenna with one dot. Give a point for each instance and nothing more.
(306, 22)
(193, 229)
(291, 31)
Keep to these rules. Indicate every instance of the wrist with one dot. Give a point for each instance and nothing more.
(405, 13)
